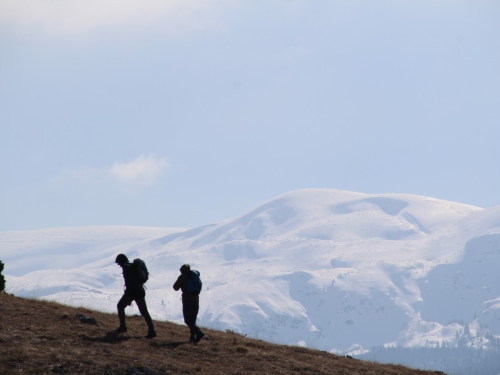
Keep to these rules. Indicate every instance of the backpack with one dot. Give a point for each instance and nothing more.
(193, 283)
(141, 271)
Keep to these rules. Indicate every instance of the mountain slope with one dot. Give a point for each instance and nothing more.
(46, 338)
(322, 268)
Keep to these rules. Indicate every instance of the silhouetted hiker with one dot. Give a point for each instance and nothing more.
(2, 279)
(190, 284)
(134, 291)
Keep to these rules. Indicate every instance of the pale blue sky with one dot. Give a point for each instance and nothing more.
(183, 113)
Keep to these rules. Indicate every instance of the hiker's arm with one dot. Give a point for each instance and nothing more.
(178, 283)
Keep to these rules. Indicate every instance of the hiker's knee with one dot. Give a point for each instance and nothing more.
(121, 305)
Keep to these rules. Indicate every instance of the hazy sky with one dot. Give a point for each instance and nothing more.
(182, 113)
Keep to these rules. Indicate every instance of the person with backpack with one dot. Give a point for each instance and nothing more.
(190, 283)
(135, 275)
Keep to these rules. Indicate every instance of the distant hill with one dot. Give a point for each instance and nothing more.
(39, 337)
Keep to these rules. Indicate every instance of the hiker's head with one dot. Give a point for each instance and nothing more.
(121, 259)
(185, 269)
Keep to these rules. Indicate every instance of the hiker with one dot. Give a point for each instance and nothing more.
(190, 284)
(134, 291)
(2, 279)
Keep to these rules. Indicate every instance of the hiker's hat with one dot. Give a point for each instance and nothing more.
(121, 259)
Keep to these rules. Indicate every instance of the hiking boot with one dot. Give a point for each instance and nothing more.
(191, 338)
(120, 329)
(199, 336)
(150, 335)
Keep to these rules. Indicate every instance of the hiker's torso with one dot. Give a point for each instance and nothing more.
(129, 276)
(181, 283)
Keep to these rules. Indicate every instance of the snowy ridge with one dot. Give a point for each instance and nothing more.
(324, 268)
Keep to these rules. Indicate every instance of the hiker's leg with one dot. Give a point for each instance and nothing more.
(187, 312)
(193, 308)
(190, 312)
(196, 308)
(124, 302)
(140, 300)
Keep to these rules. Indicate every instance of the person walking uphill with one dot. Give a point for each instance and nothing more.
(190, 284)
(135, 276)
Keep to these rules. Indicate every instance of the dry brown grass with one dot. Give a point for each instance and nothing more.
(39, 337)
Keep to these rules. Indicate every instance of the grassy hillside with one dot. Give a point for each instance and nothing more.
(38, 337)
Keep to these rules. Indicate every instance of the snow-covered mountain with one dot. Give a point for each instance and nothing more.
(324, 268)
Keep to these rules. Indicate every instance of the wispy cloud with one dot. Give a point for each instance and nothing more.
(143, 172)
(58, 17)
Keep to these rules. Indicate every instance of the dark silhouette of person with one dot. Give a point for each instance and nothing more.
(190, 304)
(2, 279)
(134, 291)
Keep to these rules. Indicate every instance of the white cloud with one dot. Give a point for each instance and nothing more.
(58, 17)
(142, 172)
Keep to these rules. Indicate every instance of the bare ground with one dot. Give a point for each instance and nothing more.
(38, 337)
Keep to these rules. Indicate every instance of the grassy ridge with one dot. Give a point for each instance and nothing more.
(38, 337)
